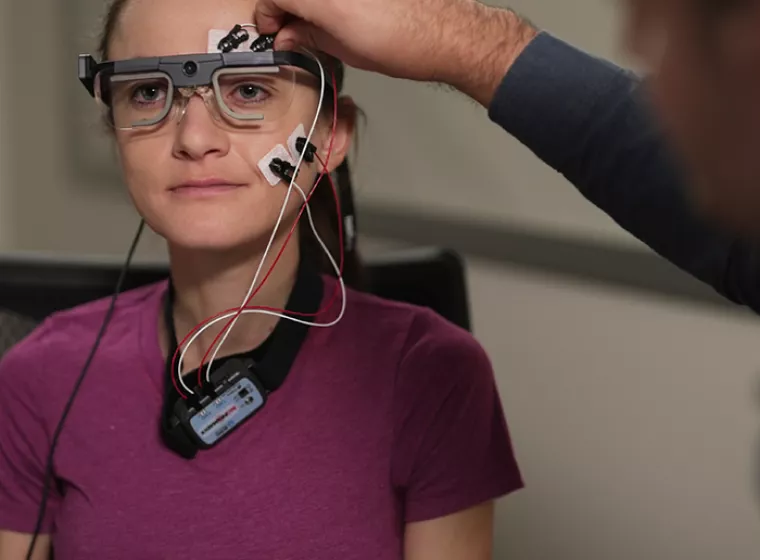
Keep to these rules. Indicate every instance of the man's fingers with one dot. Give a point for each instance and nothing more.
(299, 34)
(269, 16)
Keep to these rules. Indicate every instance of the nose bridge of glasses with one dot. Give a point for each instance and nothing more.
(186, 93)
(203, 91)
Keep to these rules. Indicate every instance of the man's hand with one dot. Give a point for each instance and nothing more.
(462, 43)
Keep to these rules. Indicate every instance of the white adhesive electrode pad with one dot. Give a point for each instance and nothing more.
(299, 132)
(216, 35)
(279, 151)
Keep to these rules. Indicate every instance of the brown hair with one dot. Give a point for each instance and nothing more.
(322, 201)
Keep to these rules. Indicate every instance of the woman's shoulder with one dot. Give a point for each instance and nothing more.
(422, 332)
(65, 332)
(451, 447)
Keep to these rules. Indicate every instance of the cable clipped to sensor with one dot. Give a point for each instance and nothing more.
(282, 169)
(263, 43)
(233, 39)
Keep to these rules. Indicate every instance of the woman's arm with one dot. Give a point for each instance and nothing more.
(589, 120)
(466, 535)
(24, 447)
(14, 546)
(452, 451)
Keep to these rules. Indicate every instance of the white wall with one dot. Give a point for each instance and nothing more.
(634, 419)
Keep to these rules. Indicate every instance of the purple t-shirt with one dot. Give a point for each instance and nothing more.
(392, 416)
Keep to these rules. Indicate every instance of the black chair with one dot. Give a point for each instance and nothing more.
(35, 287)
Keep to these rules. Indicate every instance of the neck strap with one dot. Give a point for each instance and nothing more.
(275, 357)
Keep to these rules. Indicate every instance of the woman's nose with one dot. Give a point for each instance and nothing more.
(198, 135)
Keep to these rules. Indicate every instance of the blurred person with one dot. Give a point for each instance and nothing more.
(387, 438)
(703, 58)
(587, 118)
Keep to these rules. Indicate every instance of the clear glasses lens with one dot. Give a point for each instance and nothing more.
(135, 100)
(242, 97)
(254, 96)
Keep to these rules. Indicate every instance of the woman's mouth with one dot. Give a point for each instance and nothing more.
(205, 187)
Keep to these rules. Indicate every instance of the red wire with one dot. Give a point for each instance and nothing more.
(274, 309)
(282, 249)
(239, 310)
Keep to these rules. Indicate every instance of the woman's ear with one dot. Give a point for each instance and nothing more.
(344, 134)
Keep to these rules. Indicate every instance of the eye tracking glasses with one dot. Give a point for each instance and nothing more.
(244, 89)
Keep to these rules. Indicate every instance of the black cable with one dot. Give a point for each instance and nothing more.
(77, 385)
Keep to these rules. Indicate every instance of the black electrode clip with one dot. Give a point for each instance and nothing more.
(263, 43)
(233, 39)
(311, 149)
(282, 169)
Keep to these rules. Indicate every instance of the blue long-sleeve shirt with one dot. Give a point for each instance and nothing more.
(587, 119)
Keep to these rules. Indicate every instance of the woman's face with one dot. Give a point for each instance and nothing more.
(197, 147)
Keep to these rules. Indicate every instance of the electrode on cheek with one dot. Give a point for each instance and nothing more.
(297, 144)
(309, 151)
(280, 154)
(282, 169)
(298, 132)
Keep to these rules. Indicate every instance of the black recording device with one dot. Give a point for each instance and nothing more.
(238, 387)
(232, 395)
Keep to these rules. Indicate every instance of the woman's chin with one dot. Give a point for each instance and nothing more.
(220, 232)
(216, 241)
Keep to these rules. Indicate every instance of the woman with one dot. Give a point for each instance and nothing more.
(386, 440)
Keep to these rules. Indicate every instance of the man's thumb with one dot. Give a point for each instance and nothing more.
(299, 34)
(268, 16)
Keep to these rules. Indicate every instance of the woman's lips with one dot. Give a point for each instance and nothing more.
(205, 187)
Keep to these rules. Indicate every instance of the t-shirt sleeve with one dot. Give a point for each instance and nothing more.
(24, 442)
(452, 448)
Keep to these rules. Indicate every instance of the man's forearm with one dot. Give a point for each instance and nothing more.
(488, 42)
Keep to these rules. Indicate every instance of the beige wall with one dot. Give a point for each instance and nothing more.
(6, 224)
(56, 207)
(635, 419)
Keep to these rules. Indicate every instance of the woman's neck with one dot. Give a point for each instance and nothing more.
(207, 283)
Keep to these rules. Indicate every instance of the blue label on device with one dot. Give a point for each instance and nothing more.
(235, 405)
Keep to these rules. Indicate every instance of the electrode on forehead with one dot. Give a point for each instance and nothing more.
(239, 38)
(263, 43)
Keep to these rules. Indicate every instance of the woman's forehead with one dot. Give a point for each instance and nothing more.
(150, 28)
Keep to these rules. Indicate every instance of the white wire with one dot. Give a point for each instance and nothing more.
(269, 245)
(332, 323)
(279, 219)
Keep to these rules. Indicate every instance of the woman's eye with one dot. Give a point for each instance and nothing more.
(251, 92)
(148, 94)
